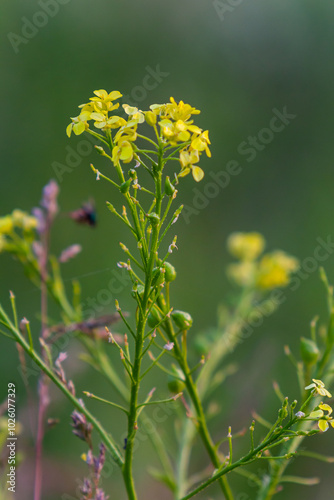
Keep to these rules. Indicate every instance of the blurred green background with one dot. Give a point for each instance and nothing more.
(236, 67)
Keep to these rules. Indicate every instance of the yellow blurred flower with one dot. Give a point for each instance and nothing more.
(2, 242)
(6, 224)
(24, 220)
(275, 270)
(246, 246)
(242, 273)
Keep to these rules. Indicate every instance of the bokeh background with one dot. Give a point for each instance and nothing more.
(236, 65)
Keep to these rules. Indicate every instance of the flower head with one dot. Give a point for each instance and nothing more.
(324, 421)
(275, 269)
(246, 246)
(318, 388)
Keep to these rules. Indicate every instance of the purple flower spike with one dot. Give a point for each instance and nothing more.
(49, 199)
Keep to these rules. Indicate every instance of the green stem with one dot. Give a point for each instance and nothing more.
(40, 363)
(141, 323)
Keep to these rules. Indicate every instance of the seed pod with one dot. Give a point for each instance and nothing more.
(175, 382)
(124, 188)
(182, 319)
(158, 276)
(170, 273)
(309, 351)
(169, 188)
(154, 317)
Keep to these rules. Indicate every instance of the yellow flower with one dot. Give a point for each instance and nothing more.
(242, 273)
(275, 269)
(319, 388)
(180, 111)
(201, 141)
(123, 151)
(79, 123)
(135, 113)
(24, 220)
(103, 122)
(6, 224)
(174, 132)
(97, 109)
(104, 101)
(187, 160)
(323, 423)
(246, 246)
(2, 242)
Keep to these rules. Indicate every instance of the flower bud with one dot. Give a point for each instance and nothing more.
(169, 188)
(138, 290)
(170, 273)
(182, 319)
(124, 188)
(133, 174)
(309, 351)
(154, 317)
(151, 118)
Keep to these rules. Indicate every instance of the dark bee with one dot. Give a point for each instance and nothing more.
(85, 215)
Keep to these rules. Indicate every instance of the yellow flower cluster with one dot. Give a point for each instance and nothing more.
(324, 421)
(17, 220)
(174, 119)
(271, 271)
(176, 127)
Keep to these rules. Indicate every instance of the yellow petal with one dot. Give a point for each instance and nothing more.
(317, 414)
(115, 94)
(69, 129)
(323, 425)
(79, 128)
(326, 407)
(198, 173)
(184, 172)
(99, 117)
(198, 144)
(103, 94)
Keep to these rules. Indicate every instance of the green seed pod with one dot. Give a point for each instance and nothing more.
(154, 218)
(124, 188)
(202, 345)
(182, 319)
(154, 317)
(169, 188)
(170, 273)
(176, 381)
(309, 351)
(158, 276)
